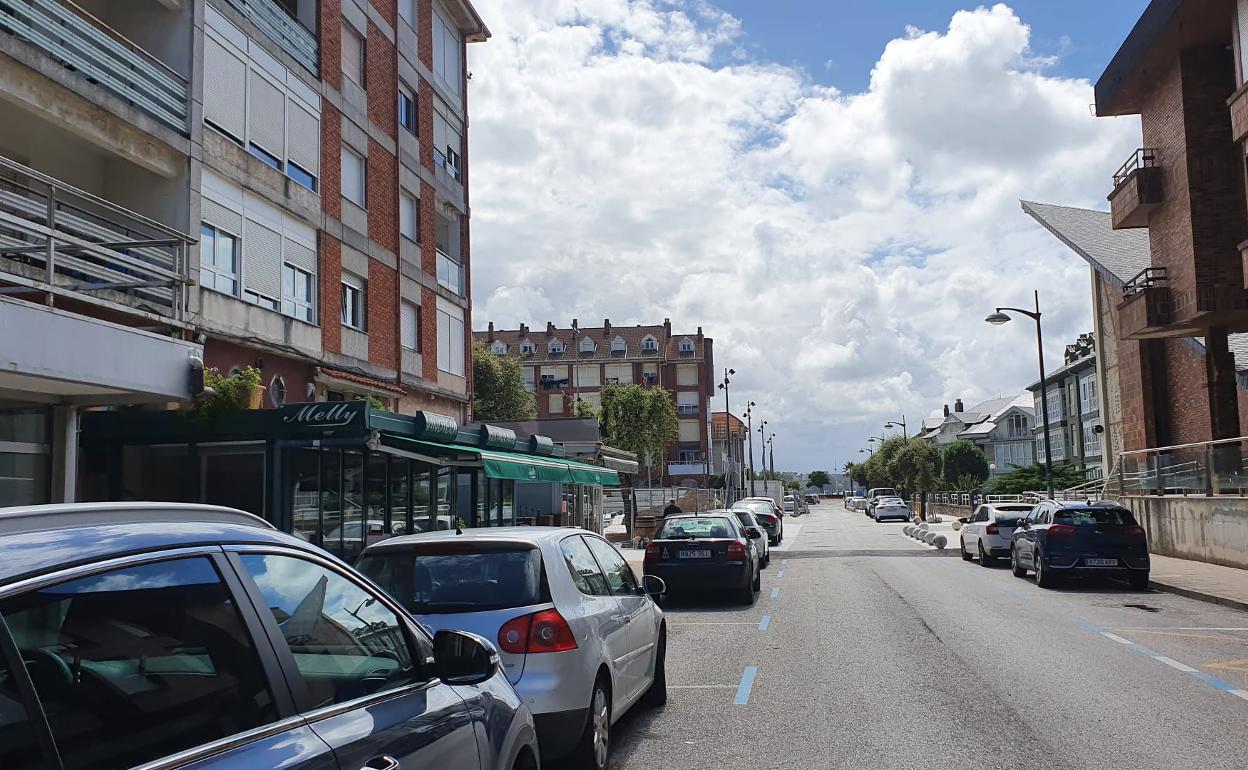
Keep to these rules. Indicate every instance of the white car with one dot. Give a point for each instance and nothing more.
(581, 639)
(891, 508)
(762, 545)
(989, 531)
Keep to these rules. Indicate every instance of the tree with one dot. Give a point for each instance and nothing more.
(962, 458)
(857, 473)
(585, 409)
(1030, 478)
(880, 466)
(639, 420)
(916, 467)
(499, 392)
(794, 485)
(820, 479)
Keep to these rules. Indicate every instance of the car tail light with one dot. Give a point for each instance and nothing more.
(1135, 531)
(652, 551)
(1061, 530)
(544, 631)
(991, 529)
(736, 549)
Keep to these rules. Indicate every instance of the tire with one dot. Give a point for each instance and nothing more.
(1138, 581)
(1019, 570)
(962, 549)
(524, 762)
(984, 559)
(748, 594)
(657, 694)
(593, 749)
(1044, 578)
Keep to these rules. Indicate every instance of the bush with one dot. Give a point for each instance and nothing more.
(231, 393)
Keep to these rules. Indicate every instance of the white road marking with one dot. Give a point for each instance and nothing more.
(1172, 663)
(702, 686)
(1240, 693)
(1115, 637)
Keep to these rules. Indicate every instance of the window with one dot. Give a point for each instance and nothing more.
(447, 242)
(156, 639)
(218, 260)
(1054, 411)
(555, 346)
(297, 293)
(687, 403)
(300, 176)
(592, 400)
(409, 217)
(588, 376)
(620, 578)
(262, 300)
(686, 345)
(618, 374)
(585, 572)
(346, 643)
(499, 347)
(527, 347)
(353, 55)
(265, 156)
(1017, 426)
(352, 301)
(1088, 401)
(407, 110)
(409, 326)
(450, 338)
(528, 378)
(446, 53)
(435, 580)
(649, 344)
(407, 12)
(587, 345)
(19, 748)
(618, 345)
(353, 185)
(277, 392)
(447, 141)
(690, 430)
(1091, 440)
(554, 403)
(686, 374)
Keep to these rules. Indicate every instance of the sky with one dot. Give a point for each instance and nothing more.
(830, 189)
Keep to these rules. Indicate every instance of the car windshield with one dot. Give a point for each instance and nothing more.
(746, 518)
(695, 528)
(1087, 517)
(436, 580)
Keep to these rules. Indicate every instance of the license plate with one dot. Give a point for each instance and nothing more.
(1101, 562)
(695, 554)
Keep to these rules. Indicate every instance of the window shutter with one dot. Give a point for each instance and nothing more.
(267, 116)
(262, 259)
(352, 177)
(407, 326)
(303, 140)
(352, 55)
(407, 215)
(215, 214)
(299, 255)
(225, 79)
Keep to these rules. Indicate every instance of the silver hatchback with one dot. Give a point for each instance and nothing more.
(581, 640)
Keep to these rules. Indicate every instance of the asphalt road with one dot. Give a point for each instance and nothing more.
(868, 650)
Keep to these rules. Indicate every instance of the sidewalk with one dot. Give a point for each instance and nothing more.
(1227, 586)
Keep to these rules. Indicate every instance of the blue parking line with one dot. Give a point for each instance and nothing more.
(765, 623)
(1212, 681)
(775, 592)
(783, 562)
(780, 574)
(1022, 597)
(747, 684)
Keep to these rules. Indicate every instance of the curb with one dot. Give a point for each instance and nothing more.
(1202, 596)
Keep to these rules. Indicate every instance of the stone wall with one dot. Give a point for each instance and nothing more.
(1208, 529)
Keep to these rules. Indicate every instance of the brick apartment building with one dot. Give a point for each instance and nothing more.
(1182, 70)
(274, 183)
(565, 365)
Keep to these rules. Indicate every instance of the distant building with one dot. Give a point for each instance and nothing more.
(1074, 411)
(564, 365)
(1002, 427)
(728, 437)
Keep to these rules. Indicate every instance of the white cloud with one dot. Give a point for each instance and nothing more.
(630, 162)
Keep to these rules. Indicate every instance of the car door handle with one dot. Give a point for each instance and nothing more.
(383, 762)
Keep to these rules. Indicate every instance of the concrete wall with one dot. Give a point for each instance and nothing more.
(1209, 529)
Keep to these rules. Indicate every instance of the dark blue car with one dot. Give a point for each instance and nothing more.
(1059, 538)
(165, 636)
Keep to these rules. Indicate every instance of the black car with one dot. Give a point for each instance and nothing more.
(1059, 538)
(706, 552)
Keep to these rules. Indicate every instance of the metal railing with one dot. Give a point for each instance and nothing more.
(1204, 468)
(55, 235)
(82, 42)
(1144, 157)
(294, 38)
(450, 274)
(1145, 279)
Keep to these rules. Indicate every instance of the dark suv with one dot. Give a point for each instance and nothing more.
(168, 635)
(1066, 538)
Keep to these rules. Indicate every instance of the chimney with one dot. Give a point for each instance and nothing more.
(957, 406)
(575, 326)
(699, 331)
(667, 328)
(490, 335)
(524, 330)
(946, 410)
(550, 329)
(606, 327)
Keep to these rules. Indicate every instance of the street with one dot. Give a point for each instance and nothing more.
(866, 649)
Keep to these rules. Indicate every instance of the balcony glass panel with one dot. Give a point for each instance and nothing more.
(294, 38)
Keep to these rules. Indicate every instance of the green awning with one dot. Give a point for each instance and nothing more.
(514, 465)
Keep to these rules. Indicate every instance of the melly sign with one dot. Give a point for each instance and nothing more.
(336, 416)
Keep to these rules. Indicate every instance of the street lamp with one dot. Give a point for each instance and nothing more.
(727, 432)
(898, 423)
(869, 451)
(749, 431)
(996, 319)
(762, 450)
(771, 441)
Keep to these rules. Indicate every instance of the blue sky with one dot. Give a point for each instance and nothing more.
(837, 42)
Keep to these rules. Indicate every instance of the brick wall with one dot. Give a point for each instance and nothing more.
(382, 78)
(330, 277)
(389, 10)
(429, 333)
(331, 161)
(383, 326)
(296, 375)
(1188, 393)
(331, 43)
(383, 197)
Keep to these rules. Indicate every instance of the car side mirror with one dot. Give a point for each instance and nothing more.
(463, 658)
(753, 533)
(652, 585)
(964, 520)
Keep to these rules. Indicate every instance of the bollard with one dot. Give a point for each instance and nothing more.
(929, 537)
(940, 542)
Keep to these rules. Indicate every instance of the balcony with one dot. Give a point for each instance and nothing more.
(283, 29)
(697, 468)
(1146, 310)
(450, 274)
(81, 42)
(1137, 190)
(58, 239)
(687, 410)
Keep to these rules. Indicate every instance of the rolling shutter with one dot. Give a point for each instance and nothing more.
(262, 259)
(267, 116)
(215, 214)
(300, 256)
(303, 139)
(225, 81)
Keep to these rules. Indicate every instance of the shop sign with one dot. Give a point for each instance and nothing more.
(324, 415)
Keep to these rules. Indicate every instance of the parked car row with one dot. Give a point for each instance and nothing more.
(186, 635)
(1056, 539)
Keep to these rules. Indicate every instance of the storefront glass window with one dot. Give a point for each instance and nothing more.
(348, 537)
(401, 522)
(508, 501)
(421, 478)
(307, 493)
(233, 476)
(25, 456)
(158, 472)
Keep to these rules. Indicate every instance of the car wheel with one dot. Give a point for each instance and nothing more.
(657, 694)
(984, 559)
(962, 549)
(1044, 578)
(524, 762)
(594, 747)
(1019, 570)
(1138, 580)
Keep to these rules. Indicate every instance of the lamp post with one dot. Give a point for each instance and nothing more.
(749, 431)
(771, 440)
(762, 451)
(868, 450)
(898, 424)
(996, 319)
(727, 428)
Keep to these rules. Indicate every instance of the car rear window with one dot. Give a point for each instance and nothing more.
(1009, 518)
(695, 528)
(1088, 517)
(433, 580)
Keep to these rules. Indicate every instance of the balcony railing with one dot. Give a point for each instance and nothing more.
(1137, 190)
(1144, 157)
(293, 37)
(450, 274)
(1145, 279)
(696, 468)
(82, 42)
(686, 409)
(1206, 468)
(57, 237)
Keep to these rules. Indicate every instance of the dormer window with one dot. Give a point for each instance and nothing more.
(499, 347)
(686, 345)
(649, 344)
(555, 346)
(587, 345)
(526, 347)
(618, 345)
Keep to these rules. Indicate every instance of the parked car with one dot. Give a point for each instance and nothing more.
(891, 508)
(705, 552)
(765, 514)
(198, 636)
(581, 641)
(875, 493)
(779, 510)
(749, 522)
(989, 531)
(812, 499)
(1059, 538)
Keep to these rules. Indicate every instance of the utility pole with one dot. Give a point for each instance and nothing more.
(749, 431)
